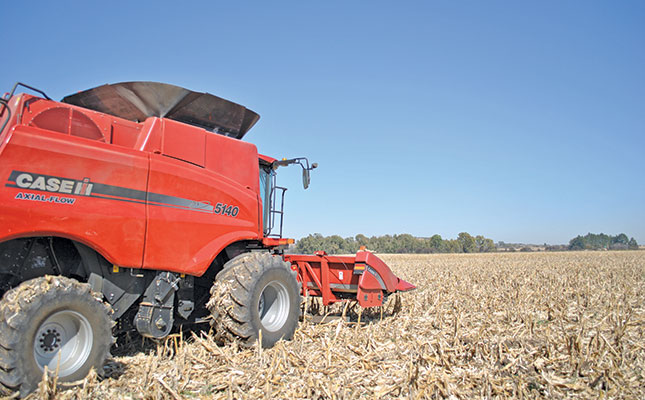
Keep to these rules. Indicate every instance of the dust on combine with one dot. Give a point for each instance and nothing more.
(485, 325)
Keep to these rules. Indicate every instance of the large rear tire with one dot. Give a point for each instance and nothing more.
(255, 292)
(55, 322)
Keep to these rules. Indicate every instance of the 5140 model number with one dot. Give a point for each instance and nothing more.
(224, 209)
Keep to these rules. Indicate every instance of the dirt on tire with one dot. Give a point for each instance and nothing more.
(235, 296)
(25, 307)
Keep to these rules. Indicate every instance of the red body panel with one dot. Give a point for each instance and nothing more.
(115, 229)
(174, 232)
(157, 194)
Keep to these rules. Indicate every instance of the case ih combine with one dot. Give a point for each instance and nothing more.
(137, 206)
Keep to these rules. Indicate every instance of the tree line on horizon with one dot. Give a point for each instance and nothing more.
(404, 243)
(592, 241)
(464, 243)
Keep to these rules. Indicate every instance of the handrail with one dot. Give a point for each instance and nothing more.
(273, 211)
(27, 87)
(5, 105)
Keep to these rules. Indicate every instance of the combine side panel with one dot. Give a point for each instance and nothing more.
(364, 277)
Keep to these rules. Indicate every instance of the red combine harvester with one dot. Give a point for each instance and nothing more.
(137, 206)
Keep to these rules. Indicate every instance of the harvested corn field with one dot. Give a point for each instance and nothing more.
(484, 325)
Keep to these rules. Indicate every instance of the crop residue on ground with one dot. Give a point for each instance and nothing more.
(485, 325)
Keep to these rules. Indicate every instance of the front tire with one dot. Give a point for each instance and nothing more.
(255, 292)
(52, 322)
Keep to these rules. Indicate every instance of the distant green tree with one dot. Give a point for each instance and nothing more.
(467, 242)
(350, 245)
(362, 240)
(622, 239)
(577, 243)
(335, 244)
(310, 243)
(484, 245)
(436, 244)
(632, 245)
(453, 246)
(405, 243)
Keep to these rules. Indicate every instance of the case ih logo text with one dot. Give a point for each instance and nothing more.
(26, 180)
(97, 190)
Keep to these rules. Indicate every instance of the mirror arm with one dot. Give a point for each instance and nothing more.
(303, 162)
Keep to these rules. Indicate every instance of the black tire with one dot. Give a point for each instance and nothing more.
(41, 316)
(255, 291)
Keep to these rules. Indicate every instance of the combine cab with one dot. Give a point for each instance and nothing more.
(136, 206)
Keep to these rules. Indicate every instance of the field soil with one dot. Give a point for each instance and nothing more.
(556, 325)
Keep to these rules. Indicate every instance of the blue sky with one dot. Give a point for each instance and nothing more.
(521, 122)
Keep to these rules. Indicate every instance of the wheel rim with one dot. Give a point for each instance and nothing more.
(63, 341)
(274, 306)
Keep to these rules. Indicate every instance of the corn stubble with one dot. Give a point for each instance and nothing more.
(478, 326)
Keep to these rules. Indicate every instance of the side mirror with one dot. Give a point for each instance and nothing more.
(305, 178)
